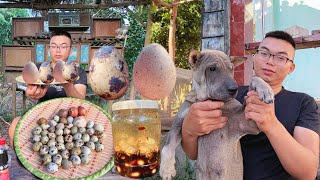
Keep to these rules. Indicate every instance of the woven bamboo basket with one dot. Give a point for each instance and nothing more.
(101, 162)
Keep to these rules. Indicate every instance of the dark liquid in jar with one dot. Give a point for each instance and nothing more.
(137, 165)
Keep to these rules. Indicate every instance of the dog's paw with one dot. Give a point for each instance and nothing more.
(263, 89)
(167, 168)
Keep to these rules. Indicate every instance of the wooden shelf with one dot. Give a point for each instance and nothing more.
(304, 42)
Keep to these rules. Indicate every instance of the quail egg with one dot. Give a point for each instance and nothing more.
(75, 159)
(53, 150)
(46, 159)
(36, 146)
(85, 159)
(57, 159)
(37, 130)
(66, 164)
(52, 167)
(44, 149)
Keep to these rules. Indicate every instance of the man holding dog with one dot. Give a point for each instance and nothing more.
(288, 145)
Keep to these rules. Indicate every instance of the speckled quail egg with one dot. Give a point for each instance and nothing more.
(68, 138)
(78, 143)
(51, 129)
(85, 159)
(51, 142)
(77, 136)
(68, 125)
(56, 118)
(44, 139)
(66, 164)
(52, 123)
(63, 120)
(60, 126)
(74, 130)
(44, 150)
(60, 139)
(36, 138)
(36, 146)
(66, 131)
(65, 154)
(58, 132)
(85, 150)
(60, 146)
(91, 145)
(79, 121)
(57, 159)
(37, 130)
(108, 64)
(75, 159)
(70, 71)
(46, 159)
(90, 124)
(44, 133)
(98, 128)
(44, 126)
(69, 145)
(85, 137)
(53, 150)
(42, 121)
(90, 131)
(76, 151)
(94, 138)
(45, 72)
(82, 130)
(70, 119)
(52, 136)
(99, 147)
(52, 167)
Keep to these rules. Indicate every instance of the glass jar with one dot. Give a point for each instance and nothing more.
(136, 130)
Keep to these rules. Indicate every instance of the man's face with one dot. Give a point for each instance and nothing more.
(60, 48)
(266, 68)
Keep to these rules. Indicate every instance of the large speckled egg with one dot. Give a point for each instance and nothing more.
(58, 71)
(46, 72)
(154, 73)
(70, 71)
(30, 73)
(108, 73)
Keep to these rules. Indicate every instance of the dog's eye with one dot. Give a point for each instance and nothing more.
(212, 68)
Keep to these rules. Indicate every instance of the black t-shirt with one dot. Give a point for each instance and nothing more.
(292, 109)
(57, 91)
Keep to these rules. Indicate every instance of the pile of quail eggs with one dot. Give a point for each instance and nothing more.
(67, 139)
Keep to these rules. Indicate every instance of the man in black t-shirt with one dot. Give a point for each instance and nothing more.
(60, 48)
(288, 145)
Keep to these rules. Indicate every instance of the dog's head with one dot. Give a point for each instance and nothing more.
(212, 75)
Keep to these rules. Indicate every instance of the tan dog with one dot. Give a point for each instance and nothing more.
(219, 153)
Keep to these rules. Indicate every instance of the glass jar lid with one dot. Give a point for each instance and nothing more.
(135, 104)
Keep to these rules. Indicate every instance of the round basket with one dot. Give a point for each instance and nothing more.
(101, 162)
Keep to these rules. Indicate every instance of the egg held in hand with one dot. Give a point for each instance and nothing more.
(46, 72)
(58, 71)
(70, 71)
(30, 73)
(154, 73)
(108, 73)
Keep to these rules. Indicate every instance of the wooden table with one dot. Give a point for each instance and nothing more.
(18, 171)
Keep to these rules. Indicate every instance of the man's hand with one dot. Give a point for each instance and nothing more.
(36, 91)
(203, 117)
(263, 114)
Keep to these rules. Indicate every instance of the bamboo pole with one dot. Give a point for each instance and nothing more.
(172, 31)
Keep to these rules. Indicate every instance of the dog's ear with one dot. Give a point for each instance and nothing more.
(194, 57)
(237, 60)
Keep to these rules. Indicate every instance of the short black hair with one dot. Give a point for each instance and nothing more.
(61, 33)
(283, 36)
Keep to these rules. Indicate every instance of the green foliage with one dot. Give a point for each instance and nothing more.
(188, 31)
(6, 16)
